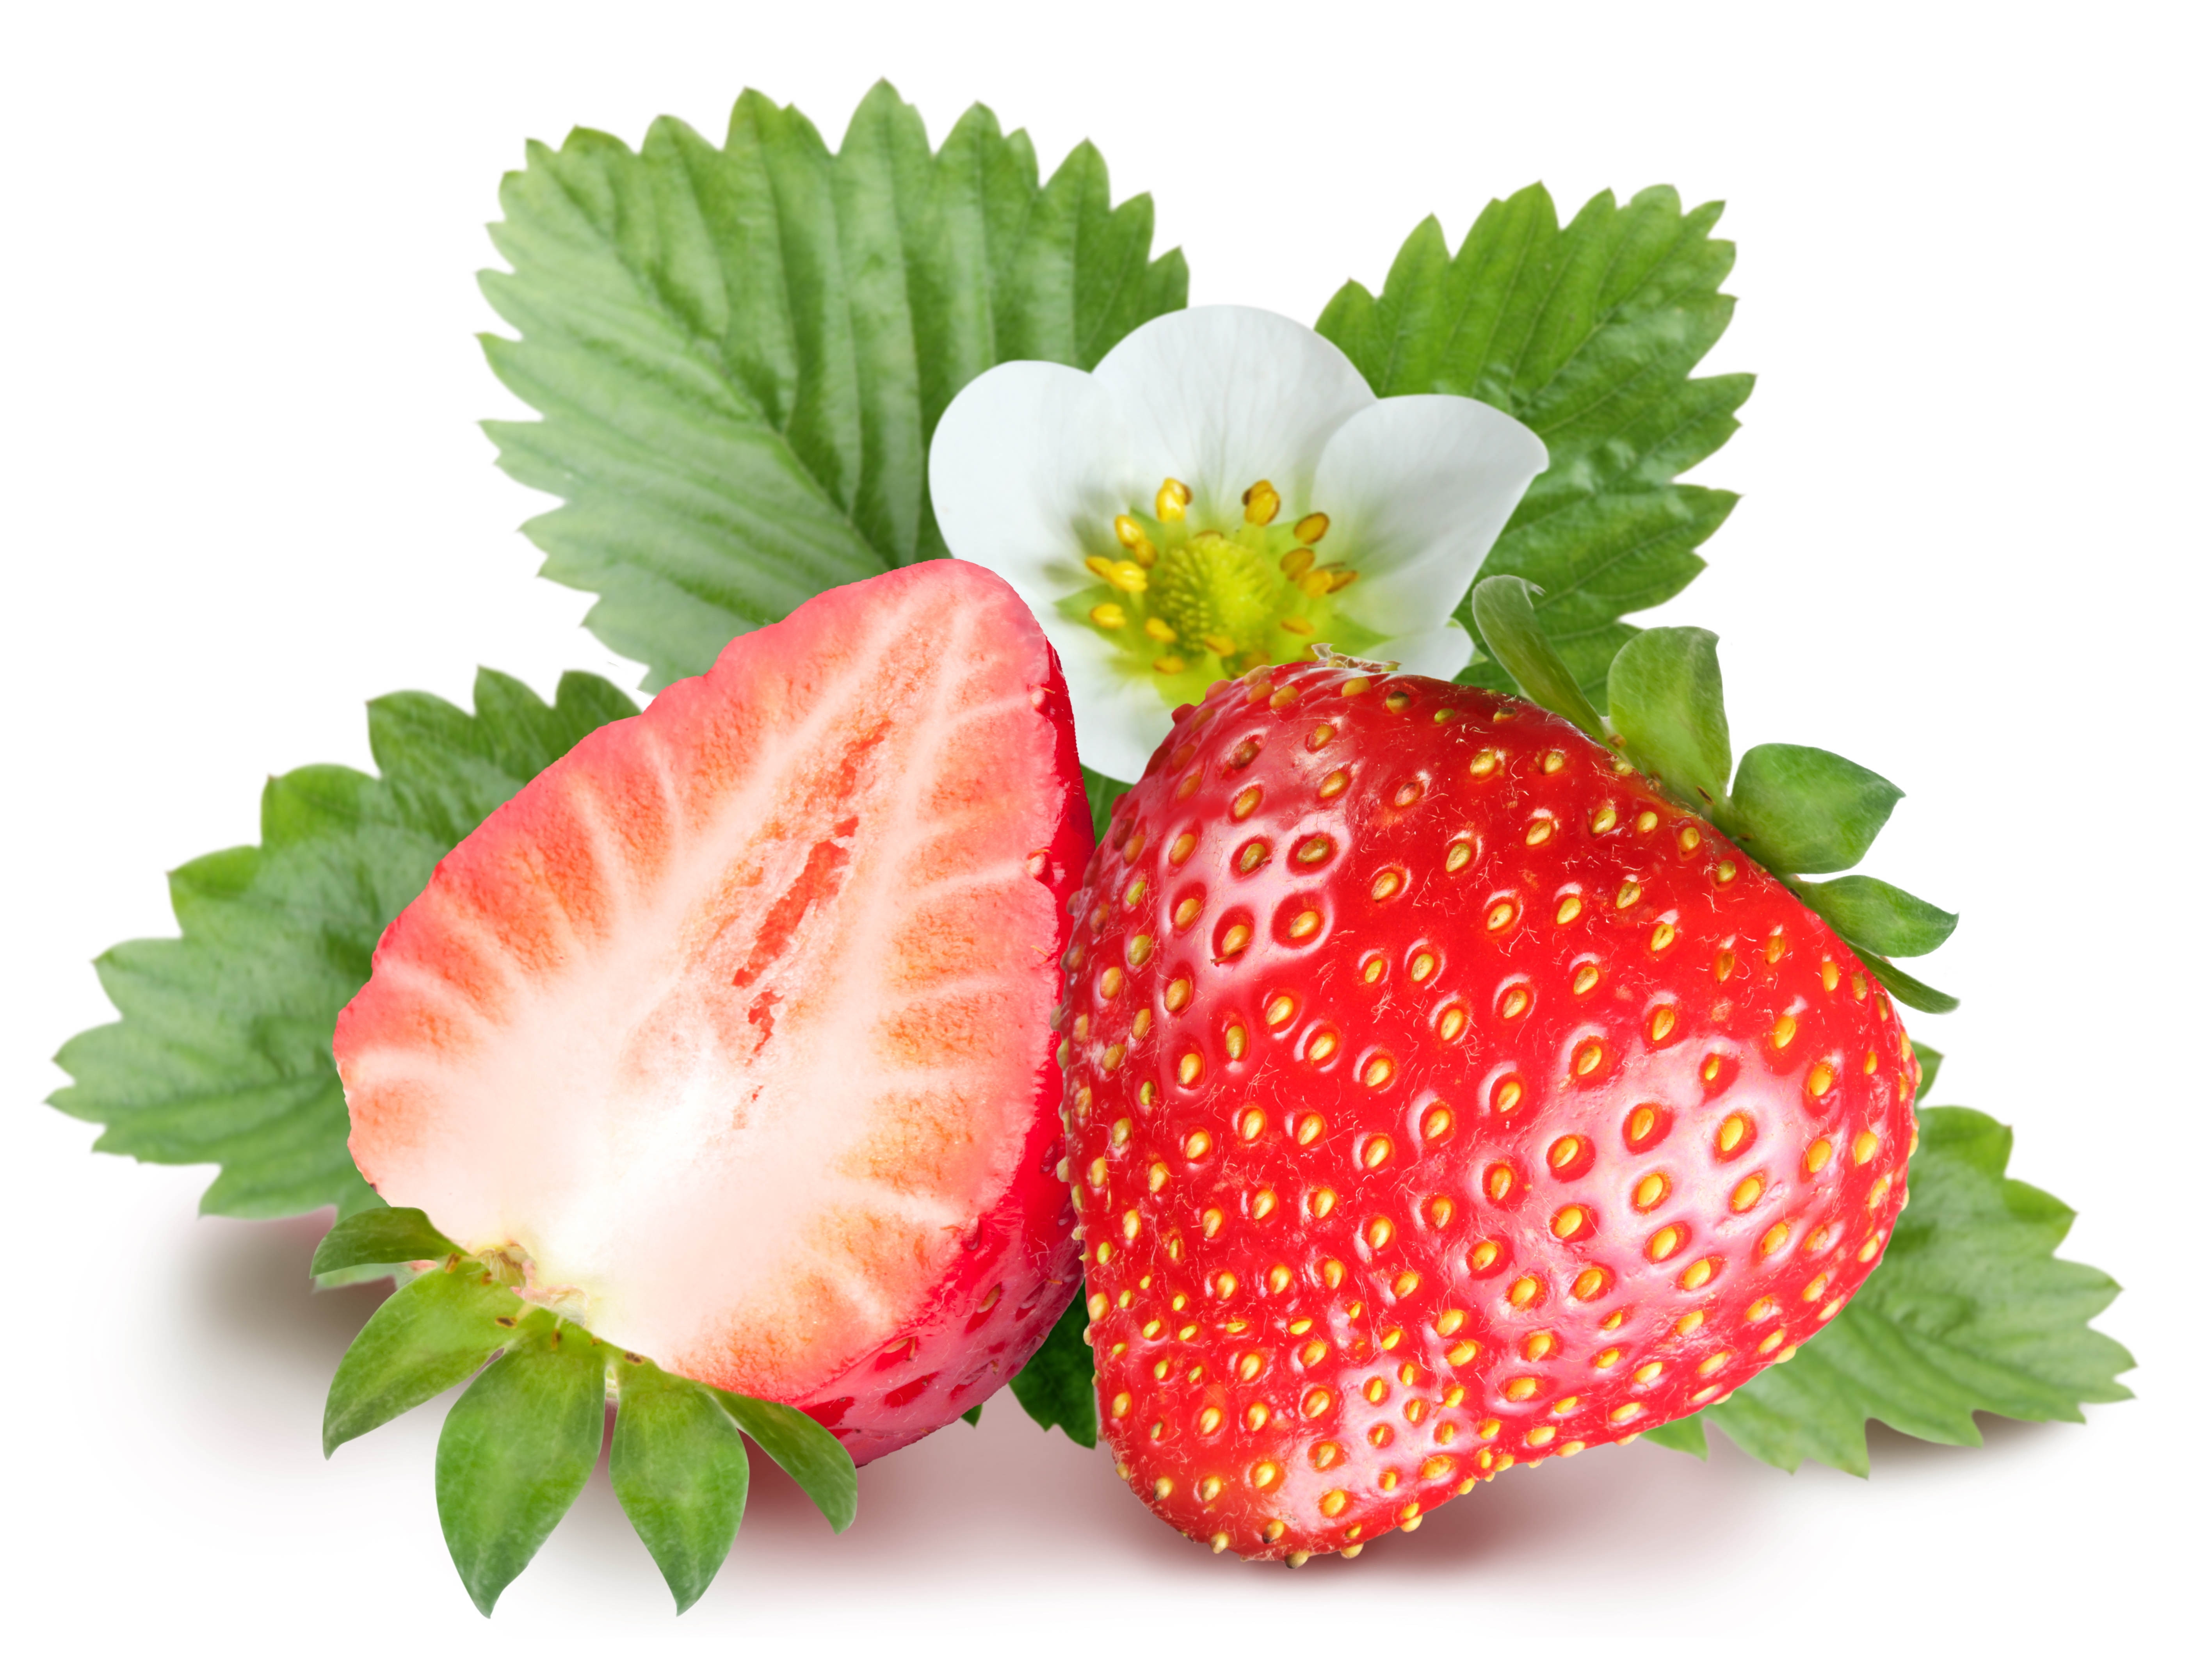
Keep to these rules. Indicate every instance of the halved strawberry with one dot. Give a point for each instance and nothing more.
(733, 1024)
(1443, 1097)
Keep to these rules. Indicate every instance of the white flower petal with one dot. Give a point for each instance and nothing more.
(1221, 397)
(1418, 489)
(1030, 464)
(1033, 461)
(1442, 650)
(1120, 715)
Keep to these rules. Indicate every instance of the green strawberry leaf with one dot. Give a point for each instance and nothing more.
(1683, 1435)
(1906, 989)
(1874, 916)
(1929, 1068)
(380, 1236)
(1670, 711)
(1505, 618)
(1804, 811)
(801, 1446)
(1970, 1312)
(739, 353)
(430, 1336)
(1101, 793)
(1055, 1387)
(222, 1052)
(1586, 334)
(681, 1473)
(515, 1451)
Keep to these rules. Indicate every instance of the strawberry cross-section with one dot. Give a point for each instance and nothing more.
(732, 1028)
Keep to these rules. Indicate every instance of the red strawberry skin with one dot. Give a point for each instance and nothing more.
(734, 1023)
(1441, 1098)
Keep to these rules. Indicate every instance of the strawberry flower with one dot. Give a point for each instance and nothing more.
(1223, 491)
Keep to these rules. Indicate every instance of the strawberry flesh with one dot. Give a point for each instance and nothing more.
(1441, 1098)
(733, 1023)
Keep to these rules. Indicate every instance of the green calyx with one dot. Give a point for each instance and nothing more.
(1797, 810)
(1188, 603)
(518, 1447)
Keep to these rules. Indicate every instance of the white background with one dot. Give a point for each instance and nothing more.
(244, 491)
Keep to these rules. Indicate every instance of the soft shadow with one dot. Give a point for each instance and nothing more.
(1894, 1452)
(1620, 1498)
(996, 1487)
(1623, 1505)
(966, 1504)
(960, 1506)
(250, 1292)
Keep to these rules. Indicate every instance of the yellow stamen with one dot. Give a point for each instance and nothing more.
(1108, 615)
(1262, 502)
(1312, 529)
(1159, 631)
(1171, 500)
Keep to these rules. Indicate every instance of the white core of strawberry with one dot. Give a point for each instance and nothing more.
(732, 1022)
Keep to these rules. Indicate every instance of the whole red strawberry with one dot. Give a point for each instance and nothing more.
(1442, 1097)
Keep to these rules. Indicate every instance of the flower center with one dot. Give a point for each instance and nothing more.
(1192, 606)
(1210, 588)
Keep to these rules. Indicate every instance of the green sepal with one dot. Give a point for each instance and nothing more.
(351, 1277)
(1505, 622)
(1906, 989)
(381, 1237)
(1804, 811)
(804, 1448)
(516, 1451)
(433, 1333)
(1929, 1069)
(1055, 1387)
(1669, 713)
(681, 1474)
(1873, 916)
(973, 1415)
(1683, 1435)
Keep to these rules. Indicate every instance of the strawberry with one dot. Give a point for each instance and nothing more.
(731, 1028)
(1441, 1097)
